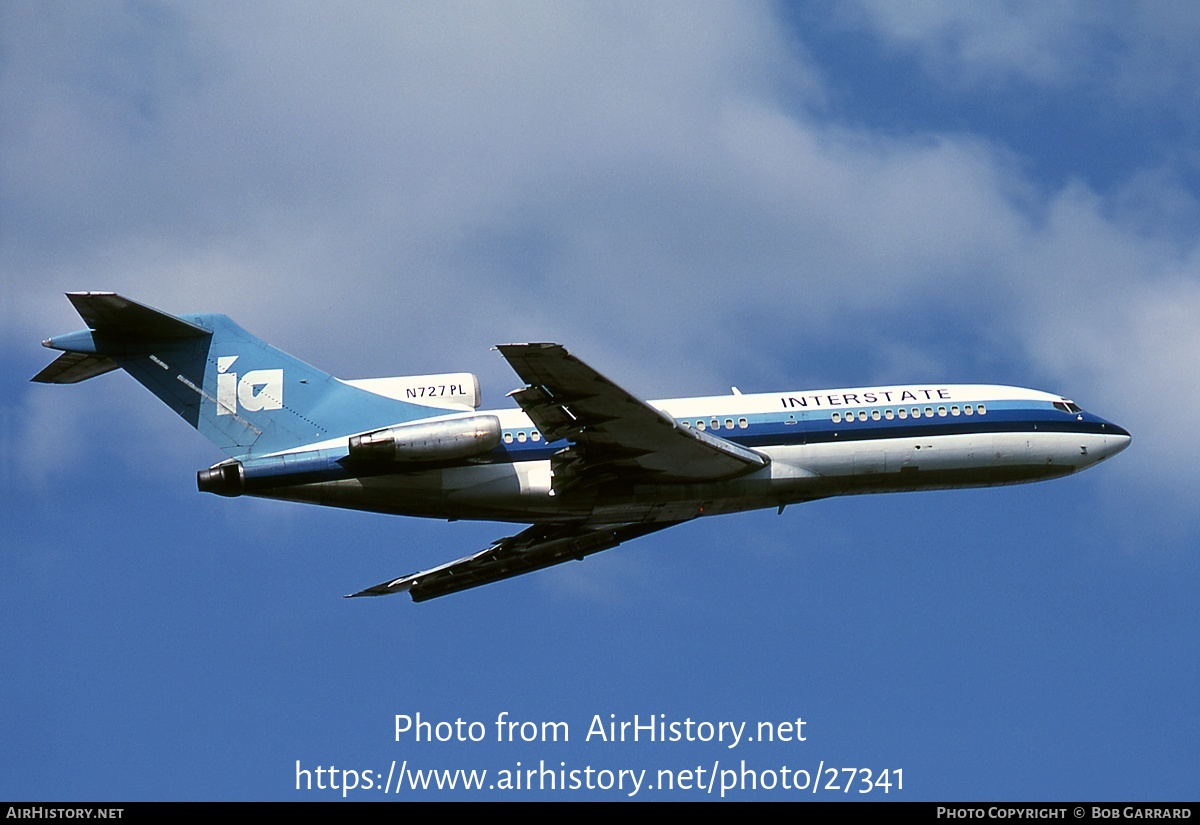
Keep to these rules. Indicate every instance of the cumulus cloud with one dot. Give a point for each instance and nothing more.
(1045, 43)
(1143, 55)
(395, 188)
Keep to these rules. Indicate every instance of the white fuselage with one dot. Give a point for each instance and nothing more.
(820, 443)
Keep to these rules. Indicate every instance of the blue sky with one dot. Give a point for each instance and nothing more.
(689, 197)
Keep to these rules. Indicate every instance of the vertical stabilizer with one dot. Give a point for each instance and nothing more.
(246, 396)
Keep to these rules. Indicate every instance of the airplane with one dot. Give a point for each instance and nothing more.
(584, 463)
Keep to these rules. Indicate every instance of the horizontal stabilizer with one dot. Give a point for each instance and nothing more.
(73, 367)
(532, 549)
(118, 317)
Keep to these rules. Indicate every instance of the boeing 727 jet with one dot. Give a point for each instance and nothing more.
(583, 462)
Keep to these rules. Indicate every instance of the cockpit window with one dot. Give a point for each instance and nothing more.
(1067, 406)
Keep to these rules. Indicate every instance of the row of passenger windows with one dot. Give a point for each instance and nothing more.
(715, 423)
(533, 435)
(914, 412)
(522, 436)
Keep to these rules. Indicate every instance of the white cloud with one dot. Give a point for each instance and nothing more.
(395, 188)
(1132, 53)
(1044, 43)
(1117, 314)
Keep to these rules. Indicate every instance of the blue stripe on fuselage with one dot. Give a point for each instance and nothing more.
(818, 426)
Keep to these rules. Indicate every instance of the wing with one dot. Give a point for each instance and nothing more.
(613, 435)
(534, 548)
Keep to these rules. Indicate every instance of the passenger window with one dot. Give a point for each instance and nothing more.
(982, 409)
(942, 412)
(954, 410)
(535, 436)
(508, 438)
(902, 413)
(889, 415)
(929, 412)
(916, 412)
(521, 437)
(968, 410)
(699, 425)
(743, 423)
(837, 417)
(862, 415)
(729, 423)
(875, 415)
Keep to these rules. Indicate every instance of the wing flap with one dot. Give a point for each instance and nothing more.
(553, 420)
(534, 548)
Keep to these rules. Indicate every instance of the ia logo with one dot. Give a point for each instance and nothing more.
(258, 389)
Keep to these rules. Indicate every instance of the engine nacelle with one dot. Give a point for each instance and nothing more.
(429, 440)
(224, 479)
(233, 478)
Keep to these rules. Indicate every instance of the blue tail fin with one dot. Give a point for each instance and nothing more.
(247, 397)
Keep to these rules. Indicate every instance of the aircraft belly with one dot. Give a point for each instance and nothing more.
(408, 494)
(520, 491)
(781, 482)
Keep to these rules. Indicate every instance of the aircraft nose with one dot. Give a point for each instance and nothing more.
(1116, 438)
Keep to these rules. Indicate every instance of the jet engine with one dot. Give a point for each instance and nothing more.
(429, 440)
(233, 478)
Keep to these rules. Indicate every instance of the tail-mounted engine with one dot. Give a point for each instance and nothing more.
(449, 440)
